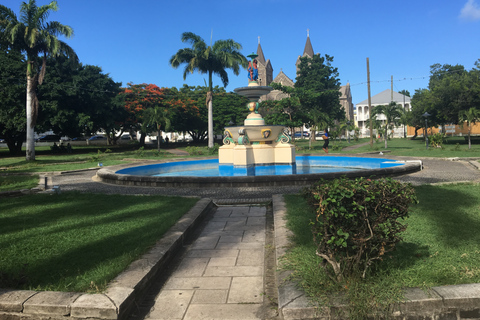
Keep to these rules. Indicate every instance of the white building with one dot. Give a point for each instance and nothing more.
(383, 98)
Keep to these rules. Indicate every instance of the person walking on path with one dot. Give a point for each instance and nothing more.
(325, 141)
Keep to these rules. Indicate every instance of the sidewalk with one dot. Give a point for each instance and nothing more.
(222, 274)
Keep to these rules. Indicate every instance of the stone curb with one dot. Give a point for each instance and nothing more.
(44, 182)
(446, 302)
(121, 294)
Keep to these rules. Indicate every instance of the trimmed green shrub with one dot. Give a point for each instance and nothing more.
(437, 140)
(357, 222)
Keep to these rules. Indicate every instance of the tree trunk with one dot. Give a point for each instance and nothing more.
(30, 143)
(14, 146)
(469, 141)
(210, 124)
(210, 109)
(142, 139)
(159, 137)
(416, 133)
(386, 136)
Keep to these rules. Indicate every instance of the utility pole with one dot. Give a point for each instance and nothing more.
(391, 90)
(369, 104)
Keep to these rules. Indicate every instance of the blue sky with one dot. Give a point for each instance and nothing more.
(134, 40)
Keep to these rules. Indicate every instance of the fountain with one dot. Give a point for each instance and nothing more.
(255, 144)
(254, 155)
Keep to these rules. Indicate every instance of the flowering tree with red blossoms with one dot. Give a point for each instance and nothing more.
(152, 108)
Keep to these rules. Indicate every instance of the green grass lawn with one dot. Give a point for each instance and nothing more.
(453, 147)
(18, 182)
(440, 245)
(82, 157)
(79, 242)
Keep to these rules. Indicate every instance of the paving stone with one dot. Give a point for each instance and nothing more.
(171, 304)
(224, 312)
(210, 296)
(12, 300)
(251, 258)
(229, 218)
(236, 225)
(222, 262)
(191, 267)
(254, 211)
(230, 239)
(254, 236)
(50, 302)
(215, 225)
(94, 306)
(212, 253)
(240, 246)
(246, 290)
(212, 233)
(256, 221)
(237, 271)
(121, 297)
(465, 296)
(206, 243)
(205, 283)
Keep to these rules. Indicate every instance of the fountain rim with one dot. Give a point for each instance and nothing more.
(109, 175)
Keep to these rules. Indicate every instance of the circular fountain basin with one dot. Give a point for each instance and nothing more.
(253, 93)
(179, 173)
(256, 133)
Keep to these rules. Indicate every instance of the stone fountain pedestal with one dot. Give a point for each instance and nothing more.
(256, 148)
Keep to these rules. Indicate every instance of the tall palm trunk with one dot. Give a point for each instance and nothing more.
(469, 140)
(210, 110)
(159, 138)
(30, 145)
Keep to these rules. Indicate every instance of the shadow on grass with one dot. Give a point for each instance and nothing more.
(448, 208)
(71, 243)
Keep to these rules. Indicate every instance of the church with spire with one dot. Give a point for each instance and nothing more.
(265, 76)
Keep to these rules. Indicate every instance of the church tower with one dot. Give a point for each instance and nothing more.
(307, 51)
(265, 70)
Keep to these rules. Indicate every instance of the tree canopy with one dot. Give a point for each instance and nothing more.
(316, 95)
(213, 59)
(451, 90)
(12, 98)
(34, 35)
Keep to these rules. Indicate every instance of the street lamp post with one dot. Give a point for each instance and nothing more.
(426, 115)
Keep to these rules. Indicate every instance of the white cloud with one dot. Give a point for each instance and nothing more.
(470, 11)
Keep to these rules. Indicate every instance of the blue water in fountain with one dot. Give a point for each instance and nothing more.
(304, 165)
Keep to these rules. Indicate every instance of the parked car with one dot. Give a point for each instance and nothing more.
(97, 137)
(304, 134)
(319, 133)
(49, 138)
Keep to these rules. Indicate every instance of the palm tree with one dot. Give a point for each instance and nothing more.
(392, 113)
(224, 54)
(34, 35)
(471, 116)
(157, 116)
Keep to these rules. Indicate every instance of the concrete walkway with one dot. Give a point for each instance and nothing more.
(222, 274)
